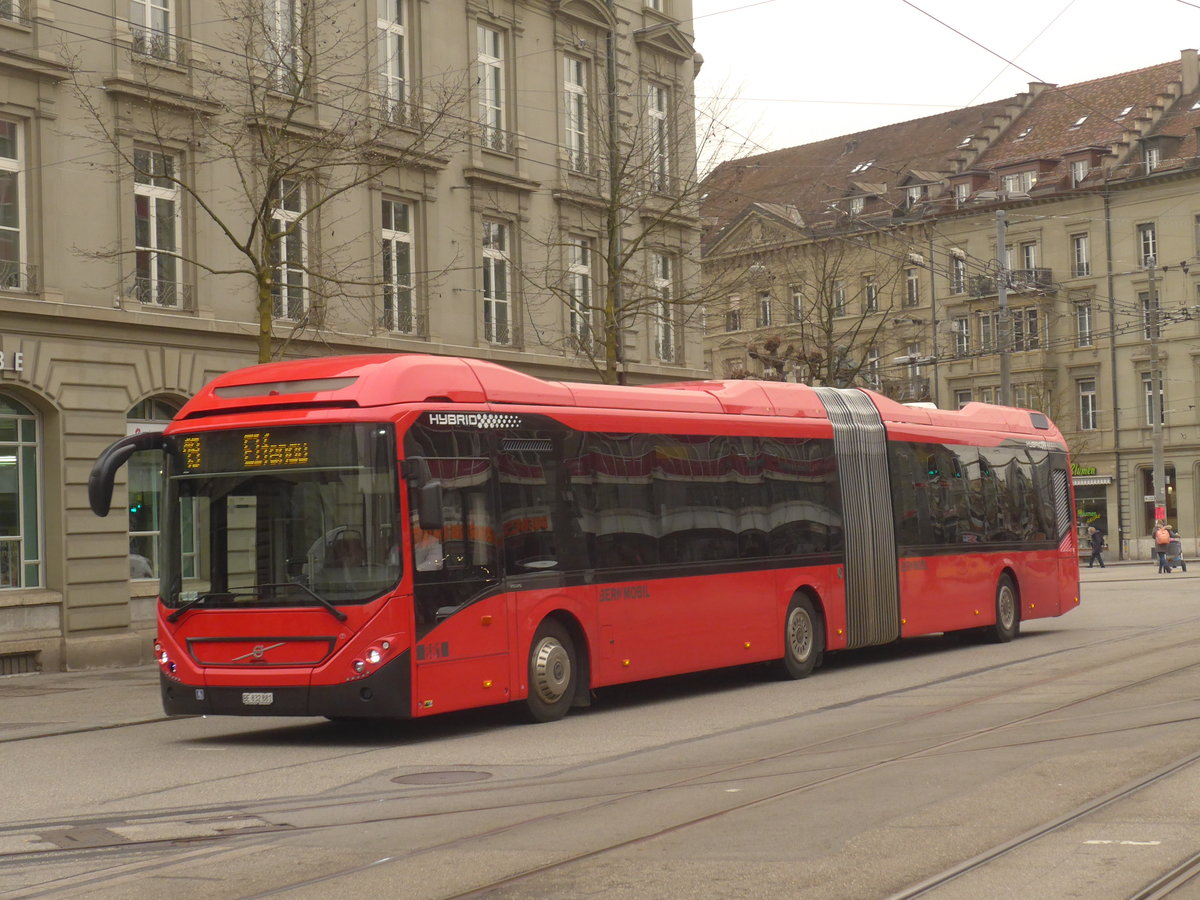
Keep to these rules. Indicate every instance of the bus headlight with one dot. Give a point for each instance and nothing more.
(374, 657)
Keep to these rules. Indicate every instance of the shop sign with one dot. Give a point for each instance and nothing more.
(1077, 470)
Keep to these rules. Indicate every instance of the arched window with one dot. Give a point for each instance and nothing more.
(20, 531)
(145, 488)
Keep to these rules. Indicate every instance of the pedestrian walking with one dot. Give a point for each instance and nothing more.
(1096, 539)
(1162, 541)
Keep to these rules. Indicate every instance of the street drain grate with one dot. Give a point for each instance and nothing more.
(442, 777)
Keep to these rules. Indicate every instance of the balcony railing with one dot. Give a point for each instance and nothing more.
(161, 294)
(159, 45)
(1019, 281)
(17, 276)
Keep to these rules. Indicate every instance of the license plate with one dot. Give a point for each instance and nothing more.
(259, 698)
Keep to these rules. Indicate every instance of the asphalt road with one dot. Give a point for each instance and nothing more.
(1063, 764)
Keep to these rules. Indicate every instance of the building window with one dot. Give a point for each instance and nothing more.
(396, 240)
(987, 395)
(656, 5)
(660, 138)
(1081, 264)
(1083, 324)
(284, 27)
(1087, 404)
(764, 309)
(156, 226)
(1148, 393)
(913, 352)
(1151, 156)
(733, 319)
(958, 275)
(1150, 329)
(962, 335)
(20, 536)
(145, 488)
(12, 209)
(912, 287)
(838, 298)
(150, 25)
(579, 288)
(662, 277)
(289, 252)
(796, 305)
(962, 398)
(1147, 243)
(575, 103)
(391, 22)
(870, 294)
(1029, 256)
(1020, 182)
(856, 205)
(497, 302)
(988, 330)
(915, 193)
(871, 366)
(491, 81)
(962, 192)
(1025, 334)
(1079, 171)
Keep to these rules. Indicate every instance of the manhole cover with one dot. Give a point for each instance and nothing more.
(441, 777)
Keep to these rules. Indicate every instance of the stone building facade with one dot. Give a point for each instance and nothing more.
(124, 192)
(1055, 235)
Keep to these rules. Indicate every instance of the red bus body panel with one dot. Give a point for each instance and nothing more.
(631, 630)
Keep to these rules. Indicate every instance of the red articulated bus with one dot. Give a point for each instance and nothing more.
(404, 535)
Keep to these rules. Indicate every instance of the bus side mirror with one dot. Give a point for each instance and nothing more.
(429, 506)
(104, 472)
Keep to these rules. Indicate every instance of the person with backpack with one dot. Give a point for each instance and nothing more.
(1175, 550)
(1162, 541)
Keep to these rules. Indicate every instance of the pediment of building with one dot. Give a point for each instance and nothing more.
(667, 38)
(592, 12)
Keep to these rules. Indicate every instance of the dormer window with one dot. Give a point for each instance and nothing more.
(1123, 113)
(962, 191)
(855, 206)
(966, 142)
(915, 193)
(1151, 156)
(862, 167)
(1078, 122)
(1079, 171)
(1024, 134)
(1019, 182)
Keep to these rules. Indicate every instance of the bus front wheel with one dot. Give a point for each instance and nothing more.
(552, 673)
(803, 640)
(1008, 613)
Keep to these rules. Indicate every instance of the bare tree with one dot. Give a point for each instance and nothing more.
(625, 256)
(288, 110)
(845, 302)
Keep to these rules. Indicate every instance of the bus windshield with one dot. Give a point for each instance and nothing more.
(289, 516)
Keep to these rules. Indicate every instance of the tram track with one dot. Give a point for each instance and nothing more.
(585, 802)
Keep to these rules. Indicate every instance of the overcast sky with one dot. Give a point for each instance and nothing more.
(805, 70)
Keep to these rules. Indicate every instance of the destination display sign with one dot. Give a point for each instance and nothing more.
(288, 447)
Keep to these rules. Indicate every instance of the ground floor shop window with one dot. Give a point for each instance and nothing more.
(1148, 492)
(20, 527)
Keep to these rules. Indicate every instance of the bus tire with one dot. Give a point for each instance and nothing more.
(1008, 613)
(803, 640)
(553, 670)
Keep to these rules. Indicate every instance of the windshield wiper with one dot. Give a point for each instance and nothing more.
(333, 610)
(201, 599)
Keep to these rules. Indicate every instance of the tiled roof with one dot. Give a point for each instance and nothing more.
(1108, 120)
(810, 176)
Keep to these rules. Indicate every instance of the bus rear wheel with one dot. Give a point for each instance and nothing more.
(552, 673)
(803, 640)
(1008, 613)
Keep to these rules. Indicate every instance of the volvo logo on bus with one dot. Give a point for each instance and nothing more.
(484, 421)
